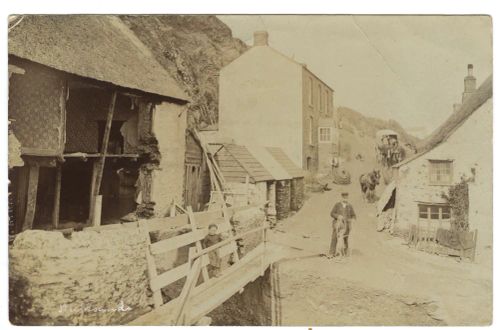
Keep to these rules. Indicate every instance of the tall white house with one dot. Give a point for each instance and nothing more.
(269, 99)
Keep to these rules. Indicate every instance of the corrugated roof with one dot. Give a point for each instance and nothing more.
(443, 132)
(100, 47)
(236, 162)
(286, 162)
(269, 162)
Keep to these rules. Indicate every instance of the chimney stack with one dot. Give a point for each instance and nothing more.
(260, 38)
(470, 69)
(469, 83)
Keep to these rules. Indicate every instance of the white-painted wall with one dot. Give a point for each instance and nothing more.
(169, 127)
(260, 101)
(470, 146)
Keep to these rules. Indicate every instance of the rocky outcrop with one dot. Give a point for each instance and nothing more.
(193, 49)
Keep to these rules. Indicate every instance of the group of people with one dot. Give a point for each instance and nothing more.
(343, 216)
(390, 152)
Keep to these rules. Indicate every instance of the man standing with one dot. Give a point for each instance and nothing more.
(341, 210)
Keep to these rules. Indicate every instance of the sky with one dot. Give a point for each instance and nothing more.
(406, 68)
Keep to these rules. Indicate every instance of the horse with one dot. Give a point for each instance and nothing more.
(341, 229)
(368, 182)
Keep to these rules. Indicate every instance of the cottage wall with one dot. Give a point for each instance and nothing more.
(36, 103)
(169, 127)
(470, 149)
(260, 101)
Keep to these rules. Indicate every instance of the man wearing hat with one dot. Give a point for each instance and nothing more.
(341, 210)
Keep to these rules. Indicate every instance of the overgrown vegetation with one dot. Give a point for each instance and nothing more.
(458, 198)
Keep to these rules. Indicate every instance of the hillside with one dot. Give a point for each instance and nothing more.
(357, 134)
(193, 49)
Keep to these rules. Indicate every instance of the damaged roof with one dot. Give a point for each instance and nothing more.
(455, 121)
(99, 47)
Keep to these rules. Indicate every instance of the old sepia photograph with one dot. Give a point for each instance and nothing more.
(250, 170)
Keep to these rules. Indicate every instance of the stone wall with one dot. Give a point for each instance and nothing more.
(96, 278)
(89, 278)
(257, 193)
(247, 219)
(252, 307)
(470, 150)
(282, 199)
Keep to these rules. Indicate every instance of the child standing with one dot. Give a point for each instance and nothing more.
(211, 239)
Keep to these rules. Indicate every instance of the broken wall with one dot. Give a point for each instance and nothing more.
(169, 128)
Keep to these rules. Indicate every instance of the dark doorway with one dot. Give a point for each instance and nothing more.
(75, 191)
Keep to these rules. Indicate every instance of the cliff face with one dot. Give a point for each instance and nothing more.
(193, 49)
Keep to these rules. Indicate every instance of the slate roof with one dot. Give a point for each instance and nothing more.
(236, 162)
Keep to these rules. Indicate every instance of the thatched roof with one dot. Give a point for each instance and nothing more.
(99, 47)
(443, 132)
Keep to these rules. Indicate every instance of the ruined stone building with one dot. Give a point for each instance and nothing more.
(458, 151)
(269, 99)
(100, 123)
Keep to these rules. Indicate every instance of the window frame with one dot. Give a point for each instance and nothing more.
(330, 135)
(433, 163)
(429, 213)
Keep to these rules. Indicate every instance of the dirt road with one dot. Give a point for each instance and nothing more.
(383, 283)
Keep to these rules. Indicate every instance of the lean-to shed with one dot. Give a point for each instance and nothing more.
(297, 184)
(279, 191)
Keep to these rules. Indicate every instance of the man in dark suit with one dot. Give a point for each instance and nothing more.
(342, 209)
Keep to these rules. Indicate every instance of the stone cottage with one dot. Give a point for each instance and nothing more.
(101, 124)
(458, 151)
(269, 99)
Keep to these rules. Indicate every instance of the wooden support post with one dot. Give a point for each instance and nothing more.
(57, 197)
(92, 190)
(152, 270)
(104, 150)
(31, 199)
(199, 247)
(22, 188)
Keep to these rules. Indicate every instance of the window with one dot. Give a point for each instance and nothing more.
(434, 211)
(325, 134)
(310, 90)
(440, 171)
(310, 130)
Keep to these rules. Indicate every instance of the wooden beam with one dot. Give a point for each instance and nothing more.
(21, 193)
(31, 199)
(57, 197)
(104, 149)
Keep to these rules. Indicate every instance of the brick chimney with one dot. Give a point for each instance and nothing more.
(469, 83)
(260, 38)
